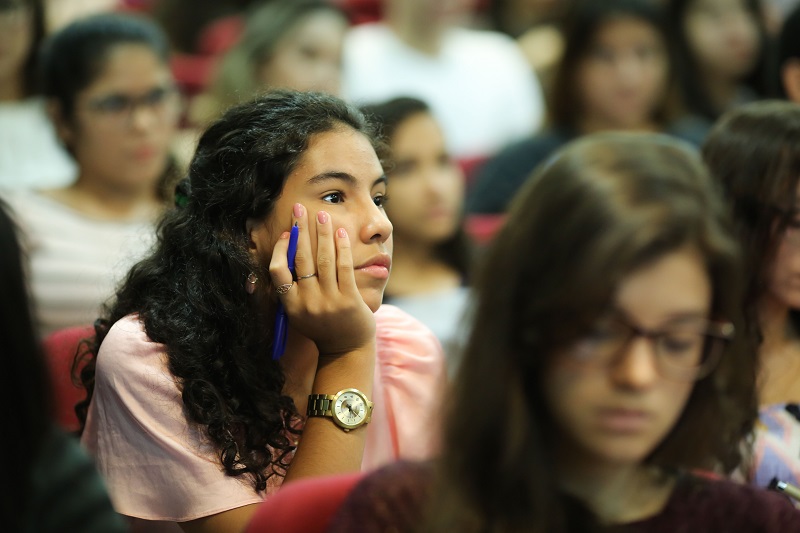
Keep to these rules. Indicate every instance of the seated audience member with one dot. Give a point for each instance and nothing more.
(478, 83)
(116, 108)
(754, 153)
(431, 255)
(287, 44)
(189, 415)
(30, 152)
(615, 74)
(721, 49)
(49, 485)
(788, 63)
(608, 361)
(535, 25)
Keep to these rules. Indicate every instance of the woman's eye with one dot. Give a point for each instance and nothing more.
(333, 198)
(380, 200)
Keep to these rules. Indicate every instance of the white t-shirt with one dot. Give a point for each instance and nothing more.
(479, 87)
(31, 155)
(75, 261)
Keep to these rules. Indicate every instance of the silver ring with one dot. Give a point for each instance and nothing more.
(307, 276)
(283, 289)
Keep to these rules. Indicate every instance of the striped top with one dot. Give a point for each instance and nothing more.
(75, 261)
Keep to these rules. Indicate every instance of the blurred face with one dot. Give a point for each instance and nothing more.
(309, 57)
(16, 37)
(426, 186)
(618, 414)
(723, 37)
(339, 173)
(624, 74)
(124, 120)
(784, 283)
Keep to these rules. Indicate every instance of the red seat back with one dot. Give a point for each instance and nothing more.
(59, 348)
(304, 506)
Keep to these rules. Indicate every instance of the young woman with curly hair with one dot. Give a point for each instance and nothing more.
(189, 417)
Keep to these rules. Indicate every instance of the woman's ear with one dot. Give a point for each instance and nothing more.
(64, 129)
(258, 241)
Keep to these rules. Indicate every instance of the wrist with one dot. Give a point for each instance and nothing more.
(356, 369)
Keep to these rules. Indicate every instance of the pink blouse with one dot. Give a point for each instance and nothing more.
(160, 468)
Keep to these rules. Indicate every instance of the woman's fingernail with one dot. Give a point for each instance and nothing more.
(341, 233)
(285, 235)
(322, 216)
(298, 210)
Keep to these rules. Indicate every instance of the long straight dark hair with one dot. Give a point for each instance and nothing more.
(455, 252)
(602, 208)
(583, 19)
(25, 394)
(753, 152)
(693, 95)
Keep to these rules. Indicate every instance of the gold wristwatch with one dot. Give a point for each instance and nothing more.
(349, 408)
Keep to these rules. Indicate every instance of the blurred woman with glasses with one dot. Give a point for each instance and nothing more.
(30, 152)
(607, 363)
(115, 106)
(754, 153)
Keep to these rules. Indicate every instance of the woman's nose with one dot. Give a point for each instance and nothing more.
(375, 225)
(637, 367)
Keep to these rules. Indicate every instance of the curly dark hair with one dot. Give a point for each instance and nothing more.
(190, 293)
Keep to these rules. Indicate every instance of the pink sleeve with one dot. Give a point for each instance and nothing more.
(156, 465)
(409, 379)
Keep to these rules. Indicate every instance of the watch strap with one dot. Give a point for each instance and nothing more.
(320, 404)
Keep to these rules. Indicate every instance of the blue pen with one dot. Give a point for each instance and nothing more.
(281, 320)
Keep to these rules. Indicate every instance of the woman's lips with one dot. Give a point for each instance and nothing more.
(378, 266)
(623, 420)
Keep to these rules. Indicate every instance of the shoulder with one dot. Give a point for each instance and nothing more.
(399, 331)
(391, 498)
(482, 41)
(690, 128)
(126, 346)
(728, 506)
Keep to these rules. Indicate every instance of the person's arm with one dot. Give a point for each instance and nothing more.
(226, 522)
(329, 310)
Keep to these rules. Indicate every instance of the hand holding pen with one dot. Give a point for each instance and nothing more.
(320, 298)
(281, 320)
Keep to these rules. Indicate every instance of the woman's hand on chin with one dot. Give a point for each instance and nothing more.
(324, 303)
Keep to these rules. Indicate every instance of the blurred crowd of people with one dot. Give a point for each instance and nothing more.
(111, 109)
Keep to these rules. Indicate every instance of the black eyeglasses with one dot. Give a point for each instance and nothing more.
(119, 108)
(685, 350)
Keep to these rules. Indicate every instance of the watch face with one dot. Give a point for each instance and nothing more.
(349, 409)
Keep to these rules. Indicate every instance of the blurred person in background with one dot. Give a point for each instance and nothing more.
(616, 73)
(30, 152)
(754, 154)
(286, 44)
(721, 47)
(62, 12)
(49, 485)
(115, 107)
(430, 263)
(536, 26)
(787, 76)
(477, 83)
